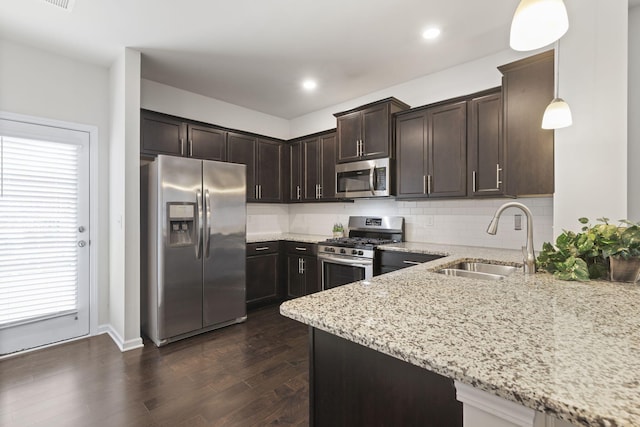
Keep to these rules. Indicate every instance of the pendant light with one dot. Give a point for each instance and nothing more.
(538, 23)
(557, 115)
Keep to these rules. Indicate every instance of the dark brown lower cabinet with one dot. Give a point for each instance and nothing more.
(302, 269)
(263, 274)
(388, 261)
(352, 385)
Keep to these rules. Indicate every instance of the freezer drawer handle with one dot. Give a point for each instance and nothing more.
(207, 234)
(200, 224)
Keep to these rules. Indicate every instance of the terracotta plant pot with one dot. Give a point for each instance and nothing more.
(624, 270)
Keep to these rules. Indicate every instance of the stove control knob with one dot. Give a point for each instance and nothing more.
(342, 251)
(355, 252)
(329, 250)
(360, 253)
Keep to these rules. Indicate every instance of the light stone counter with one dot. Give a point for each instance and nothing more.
(568, 349)
(269, 237)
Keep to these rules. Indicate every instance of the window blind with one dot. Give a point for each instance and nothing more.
(38, 220)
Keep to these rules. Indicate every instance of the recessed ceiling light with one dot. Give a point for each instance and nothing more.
(431, 33)
(309, 84)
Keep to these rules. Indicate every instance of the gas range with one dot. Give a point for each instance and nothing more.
(365, 234)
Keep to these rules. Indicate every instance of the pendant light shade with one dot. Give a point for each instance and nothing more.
(557, 115)
(538, 23)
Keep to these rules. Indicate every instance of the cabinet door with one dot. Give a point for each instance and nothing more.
(162, 135)
(207, 143)
(295, 171)
(327, 166)
(262, 278)
(269, 167)
(411, 153)
(241, 149)
(349, 136)
(295, 277)
(527, 90)
(376, 132)
(311, 158)
(485, 148)
(447, 167)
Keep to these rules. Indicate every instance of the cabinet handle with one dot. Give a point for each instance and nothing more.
(301, 266)
(182, 146)
(362, 147)
(424, 184)
(262, 248)
(473, 176)
(190, 148)
(411, 262)
(297, 192)
(498, 170)
(255, 191)
(428, 184)
(260, 188)
(319, 191)
(300, 249)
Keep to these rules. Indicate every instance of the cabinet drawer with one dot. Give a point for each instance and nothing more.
(301, 248)
(262, 248)
(403, 259)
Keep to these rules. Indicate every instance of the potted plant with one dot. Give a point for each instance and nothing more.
(338, 230)
(594, 252)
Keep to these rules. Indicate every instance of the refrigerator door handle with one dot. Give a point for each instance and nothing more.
(207, 233)
(200, 224)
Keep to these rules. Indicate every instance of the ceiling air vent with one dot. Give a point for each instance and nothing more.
(62, 4)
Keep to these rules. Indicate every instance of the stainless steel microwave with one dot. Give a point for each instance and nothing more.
(369, 178)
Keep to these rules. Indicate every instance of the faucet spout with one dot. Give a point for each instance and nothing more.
(529, 256)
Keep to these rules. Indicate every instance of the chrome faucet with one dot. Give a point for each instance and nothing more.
(527, 251)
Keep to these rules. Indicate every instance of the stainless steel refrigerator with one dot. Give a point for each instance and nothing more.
(193, 245)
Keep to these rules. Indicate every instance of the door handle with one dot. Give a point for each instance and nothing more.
(200, 224)
(371, 172)
(207, 234)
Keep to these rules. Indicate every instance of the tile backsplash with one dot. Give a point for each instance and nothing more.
(458, 222)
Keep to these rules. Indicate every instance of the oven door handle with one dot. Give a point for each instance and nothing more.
(342, 261)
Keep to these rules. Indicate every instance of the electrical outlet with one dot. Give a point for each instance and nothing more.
(428, 221)
(517, 222)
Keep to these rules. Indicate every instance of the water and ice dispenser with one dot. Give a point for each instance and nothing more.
(181, 225)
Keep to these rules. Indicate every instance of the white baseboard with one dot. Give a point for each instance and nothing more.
(115, 336)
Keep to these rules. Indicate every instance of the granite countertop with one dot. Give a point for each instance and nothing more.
(569, 349)
(269, 237)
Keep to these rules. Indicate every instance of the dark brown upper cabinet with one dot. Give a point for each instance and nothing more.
(313, 168)
(431, 151)
(367, 132)
(163, 134)
(527, 89)
(263, 159)
(485, 145)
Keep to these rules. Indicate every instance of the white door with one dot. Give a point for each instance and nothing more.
(44, 235)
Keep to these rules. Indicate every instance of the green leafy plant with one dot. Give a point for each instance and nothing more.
(338, 228)
(583, 256)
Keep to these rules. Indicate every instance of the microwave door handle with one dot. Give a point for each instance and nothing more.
(371, 173)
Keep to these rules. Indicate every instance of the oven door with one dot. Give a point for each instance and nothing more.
(339, 270)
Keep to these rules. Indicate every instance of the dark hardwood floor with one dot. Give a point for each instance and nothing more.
(252, 374)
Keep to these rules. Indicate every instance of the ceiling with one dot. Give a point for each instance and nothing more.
(255, 53)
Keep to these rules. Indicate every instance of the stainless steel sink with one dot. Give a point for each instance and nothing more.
(482, 267)
(470, 274)
(479, 270)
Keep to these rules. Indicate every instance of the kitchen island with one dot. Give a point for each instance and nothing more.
(558, 350)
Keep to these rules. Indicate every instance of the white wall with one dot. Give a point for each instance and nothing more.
(42, 84)
(124, 197)
(633, 191)
(591, 155)
(170, 100)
